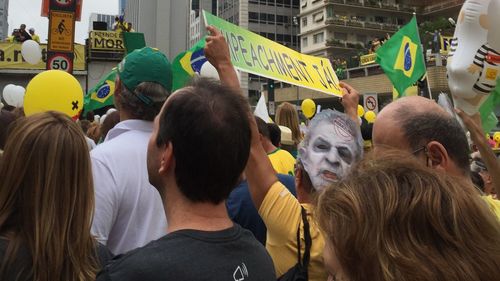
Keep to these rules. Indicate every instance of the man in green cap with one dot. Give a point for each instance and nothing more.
(128, 210)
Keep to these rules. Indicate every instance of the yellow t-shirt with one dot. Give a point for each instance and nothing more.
(282, 161)
(281, 213)
(493, 204)
(35, 38)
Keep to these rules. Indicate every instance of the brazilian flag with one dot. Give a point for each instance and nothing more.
(187, 64)
(401, 57)
(102, 94)
(488, 118)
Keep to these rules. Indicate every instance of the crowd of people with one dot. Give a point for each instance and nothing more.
(190, 185)
(20, 35)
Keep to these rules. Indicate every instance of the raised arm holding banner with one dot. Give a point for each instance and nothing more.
(255, 54)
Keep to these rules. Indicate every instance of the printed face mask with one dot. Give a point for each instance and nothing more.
(330, 152)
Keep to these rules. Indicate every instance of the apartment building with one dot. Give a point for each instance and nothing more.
(4, 25)
(276, 20)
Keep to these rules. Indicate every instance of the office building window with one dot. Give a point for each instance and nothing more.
(318, 38)
(304, 21)
(304, 42)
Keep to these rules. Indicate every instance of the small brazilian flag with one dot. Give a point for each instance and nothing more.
(401, 57)
(187, 64)
(102, 94)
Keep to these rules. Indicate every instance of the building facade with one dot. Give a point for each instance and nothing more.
(276, 20)
(165, 24)
(108, 19)
(4, 14)
(346, 28)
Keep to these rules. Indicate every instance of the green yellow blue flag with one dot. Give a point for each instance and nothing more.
(401, 57)
(187, 63)
(102, 94)
(488, 118)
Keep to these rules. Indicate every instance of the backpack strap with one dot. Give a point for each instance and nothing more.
(304, 261)
(307, 238)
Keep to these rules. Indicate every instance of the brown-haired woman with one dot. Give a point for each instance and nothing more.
(394, 219)
(286, 115)
(46, 203)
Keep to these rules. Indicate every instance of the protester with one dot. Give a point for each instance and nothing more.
(94, 132)
(203, 242)
(420, 126)
(395, 219)
(286, 115)
(6, 119)
(129, 211)
(274, 134)
(15, 37)
(282, 161)
(287, 217)
(109, 123)
(34, 36)
(24, 35)
(242, 211)
(46, 203)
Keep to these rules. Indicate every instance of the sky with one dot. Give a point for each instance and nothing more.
(28, 12)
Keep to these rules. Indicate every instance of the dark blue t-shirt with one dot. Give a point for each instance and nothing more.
(243, 212)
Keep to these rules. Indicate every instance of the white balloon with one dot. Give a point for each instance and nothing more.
(208, 70)
(8, 94)
(18, 96)
(111, 110)
(31, 52)
(103, 118)
(473, 67)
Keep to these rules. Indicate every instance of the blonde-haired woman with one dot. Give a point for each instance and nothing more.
(394, 219)
(286, 115)
(46, 203)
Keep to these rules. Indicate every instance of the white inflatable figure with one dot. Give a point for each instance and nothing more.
(474, 61)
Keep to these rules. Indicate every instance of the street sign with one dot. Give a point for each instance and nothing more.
(370, 102)
(61, 32)
(60, 61)
(63, 5)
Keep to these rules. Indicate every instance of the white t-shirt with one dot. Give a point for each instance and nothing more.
(128, 209)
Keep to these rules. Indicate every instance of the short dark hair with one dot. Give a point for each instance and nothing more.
(477, 180)
(419, 128)
(135, 107)
(262, 126)
(208, 126)
(274, 134)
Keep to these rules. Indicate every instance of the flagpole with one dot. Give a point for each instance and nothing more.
(425, 63)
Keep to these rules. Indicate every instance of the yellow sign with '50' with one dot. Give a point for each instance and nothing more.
(62, 31)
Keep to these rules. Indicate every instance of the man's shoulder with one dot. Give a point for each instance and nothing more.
(173, 256)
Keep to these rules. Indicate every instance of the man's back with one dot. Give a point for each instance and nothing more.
(129, 212)
(230, 254)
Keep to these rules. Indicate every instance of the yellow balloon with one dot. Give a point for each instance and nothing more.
(361, 110)
(370, 116)
(496, 137)
(308, 108)
(54, 90)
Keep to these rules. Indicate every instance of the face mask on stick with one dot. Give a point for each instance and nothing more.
(474, 62)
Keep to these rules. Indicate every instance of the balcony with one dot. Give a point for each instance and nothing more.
(340, 21)
(442, 6)
(381, 5)
(337, 43)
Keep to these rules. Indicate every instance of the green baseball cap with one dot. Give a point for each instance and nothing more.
(145, 65)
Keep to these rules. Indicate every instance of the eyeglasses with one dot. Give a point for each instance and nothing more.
(425, 150)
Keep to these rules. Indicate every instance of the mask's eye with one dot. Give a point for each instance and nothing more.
(345, 154)
(321, 145)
